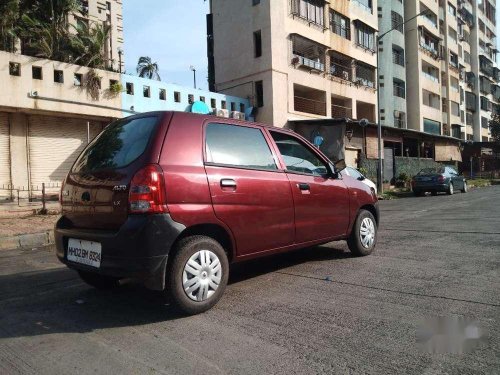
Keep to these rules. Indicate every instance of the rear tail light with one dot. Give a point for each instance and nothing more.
(147, 191)
(441, 179)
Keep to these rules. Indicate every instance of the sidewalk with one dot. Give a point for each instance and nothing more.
(21, 228)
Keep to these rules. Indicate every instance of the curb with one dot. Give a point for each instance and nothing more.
(27, 240)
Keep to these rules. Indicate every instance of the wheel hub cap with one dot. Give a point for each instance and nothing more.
(202, 275)
(367, 232)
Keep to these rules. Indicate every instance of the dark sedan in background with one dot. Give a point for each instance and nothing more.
(439, 179)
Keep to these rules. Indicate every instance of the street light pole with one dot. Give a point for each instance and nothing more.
(379, 125)
(194, 75)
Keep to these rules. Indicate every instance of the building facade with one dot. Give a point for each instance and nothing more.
(298, 59)
(449, 61)
(48, 115)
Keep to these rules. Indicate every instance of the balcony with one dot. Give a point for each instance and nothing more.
(309, 100)
(307, 54)
(311, 12)
(341, 66)
(365, 75)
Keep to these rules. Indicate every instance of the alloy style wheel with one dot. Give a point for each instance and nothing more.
(202, 275)
(367, 232)
(450, 189)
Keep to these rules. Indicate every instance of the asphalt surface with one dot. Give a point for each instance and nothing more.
(317, 310)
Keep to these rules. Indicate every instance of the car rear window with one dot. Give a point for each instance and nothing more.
(118, 145)
(431, 170)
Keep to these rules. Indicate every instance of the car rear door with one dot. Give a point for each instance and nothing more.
(321, 203)
(249, 192)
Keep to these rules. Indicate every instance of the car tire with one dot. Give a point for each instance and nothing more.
(450, 189)
(417, 193)
(201, 258)
(359, 241)
(464, 190)
(98, 281)
(434, 193)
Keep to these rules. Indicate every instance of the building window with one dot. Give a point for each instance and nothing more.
(470, 101)
(146, 91)
(365, 4)
(397, 21)
(484, 122)
(399, 119)
(365, 75)
(453, 59)
(259, 94)
(36, 72)
(233, 106)
(341, 66)
(454, 86)
(452, 10)
(255, 2)
(398, 88)
(454, 108)
(398, 55)
(430, 99)
(309, 10)
(223, 104)
(15, 69)
(163, 94)
(432, 127)
(190, 98)
(257, 44)
(202, 99)
(485, 104)
(213, 103)
(242, 107)
(177, 96)
(429, 71)
(452, 34)
(340, 25)
(129, 88)
(59, 77)
(467, 57)
(365, 36)
(77, 79)
(307, 54)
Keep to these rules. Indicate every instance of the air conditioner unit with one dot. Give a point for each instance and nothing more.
(238, 115)
(222, 113)
(33, 94)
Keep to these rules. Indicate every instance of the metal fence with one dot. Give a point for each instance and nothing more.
(32, 195)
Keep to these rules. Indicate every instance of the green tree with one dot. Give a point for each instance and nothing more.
(9, 11)
(494, 125)
(89, 43)
(147, 68)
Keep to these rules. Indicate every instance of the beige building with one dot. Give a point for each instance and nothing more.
(299, 59)
(109, 13)
(451, 75)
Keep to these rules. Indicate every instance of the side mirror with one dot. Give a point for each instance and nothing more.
(361, 178)
(340, 165)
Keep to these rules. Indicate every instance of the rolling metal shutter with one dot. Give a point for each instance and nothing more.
(54, 144)
(4, 153)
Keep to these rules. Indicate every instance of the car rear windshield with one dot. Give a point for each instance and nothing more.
(118, 145)
(431, 170)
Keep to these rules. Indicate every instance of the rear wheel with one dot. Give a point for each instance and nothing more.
(434, 193)
(99, 281)
(364, 234)
(198, 274)
(418, 193)
(464, 190)
(450, 189)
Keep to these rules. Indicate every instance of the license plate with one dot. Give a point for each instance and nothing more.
(84, 252)
(426, 179)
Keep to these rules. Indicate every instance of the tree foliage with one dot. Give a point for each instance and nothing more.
(9, 11)
(494, 125)
(146, 68)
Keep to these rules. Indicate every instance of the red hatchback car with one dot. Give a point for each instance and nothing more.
(171, 198)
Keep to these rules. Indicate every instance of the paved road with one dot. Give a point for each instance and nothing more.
(313, 311)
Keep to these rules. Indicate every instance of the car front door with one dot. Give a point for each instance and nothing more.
(458, 181)
(321, 202)
(250, 194)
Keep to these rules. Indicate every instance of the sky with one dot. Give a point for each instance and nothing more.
(172, 33)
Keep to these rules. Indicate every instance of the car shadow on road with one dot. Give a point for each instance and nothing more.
(56, 301)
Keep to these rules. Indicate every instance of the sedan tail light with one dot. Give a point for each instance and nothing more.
(441, 179)
(147, 191)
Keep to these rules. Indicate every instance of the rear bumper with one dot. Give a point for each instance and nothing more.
(436, 187)
(139, 249)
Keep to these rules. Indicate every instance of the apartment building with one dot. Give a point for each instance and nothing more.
(449, 61)
(109, 13)
(296, 59)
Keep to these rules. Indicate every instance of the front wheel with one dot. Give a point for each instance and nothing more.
(363, 235)
(464, 190)
(198, 274)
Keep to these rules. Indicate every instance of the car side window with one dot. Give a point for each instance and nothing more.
(238, 146)
(354, 173)
(297, 157)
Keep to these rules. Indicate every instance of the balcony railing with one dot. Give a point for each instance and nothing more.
(304, 61)
(339, 111)
(398, 58)
(341, 71)
(315, 107)
(430, 76)
(398, 91)
(399, 123)
(361, 4)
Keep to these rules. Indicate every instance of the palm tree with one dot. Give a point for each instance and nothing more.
(9, 9)
(147, 68)
(89, 45)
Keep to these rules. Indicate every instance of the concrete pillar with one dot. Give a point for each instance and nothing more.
(18, 123)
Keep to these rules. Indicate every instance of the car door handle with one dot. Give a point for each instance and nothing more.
(228, 183)
(303, 186)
